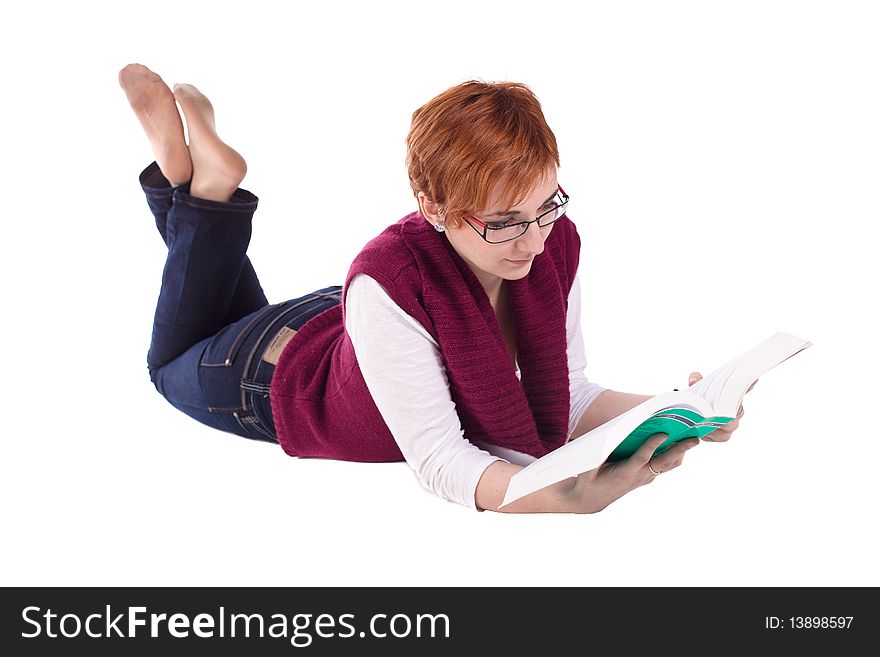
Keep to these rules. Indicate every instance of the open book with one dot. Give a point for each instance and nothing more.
(710, 403)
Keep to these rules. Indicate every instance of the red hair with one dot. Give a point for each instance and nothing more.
(474, 136)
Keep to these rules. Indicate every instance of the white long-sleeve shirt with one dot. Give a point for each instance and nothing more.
(406, 376)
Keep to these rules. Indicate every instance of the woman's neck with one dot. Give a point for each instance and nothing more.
(493, 286)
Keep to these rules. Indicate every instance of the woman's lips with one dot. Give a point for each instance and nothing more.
(519, 262)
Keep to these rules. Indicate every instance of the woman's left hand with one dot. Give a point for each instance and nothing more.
(722, 434)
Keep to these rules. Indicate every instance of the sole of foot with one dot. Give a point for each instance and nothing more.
(218, 169)
(154, 105)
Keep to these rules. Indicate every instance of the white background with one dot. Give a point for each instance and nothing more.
(722, 160)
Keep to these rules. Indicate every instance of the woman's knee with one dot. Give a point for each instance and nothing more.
(153, 371)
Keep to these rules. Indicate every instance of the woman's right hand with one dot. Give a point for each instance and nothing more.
(596, 489)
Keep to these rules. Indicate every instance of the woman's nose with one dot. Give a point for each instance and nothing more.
(532, 241)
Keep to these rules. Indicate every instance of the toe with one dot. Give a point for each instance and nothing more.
(180, 91)
(183, 90)
(126, 73)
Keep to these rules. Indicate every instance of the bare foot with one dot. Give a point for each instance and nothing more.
(153, 103)
(217, 168)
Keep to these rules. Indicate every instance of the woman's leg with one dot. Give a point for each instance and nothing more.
(248, 295)
(207, 224)
(207, 243)
(224, 380)
(205, 380)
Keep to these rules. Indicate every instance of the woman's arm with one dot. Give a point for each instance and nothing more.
(404, 371)
(553, 499)
(608, 405)
(559, 497)
(589, 492)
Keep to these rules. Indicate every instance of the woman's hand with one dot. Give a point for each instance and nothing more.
(594, 490)
(724, 433)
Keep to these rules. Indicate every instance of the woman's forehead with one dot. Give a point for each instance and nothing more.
(501, 197)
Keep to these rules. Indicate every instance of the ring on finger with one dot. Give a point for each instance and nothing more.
(651, 468)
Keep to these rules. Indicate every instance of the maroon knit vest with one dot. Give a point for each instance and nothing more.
(323, 408)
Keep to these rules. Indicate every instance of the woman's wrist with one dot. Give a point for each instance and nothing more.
(561, 497)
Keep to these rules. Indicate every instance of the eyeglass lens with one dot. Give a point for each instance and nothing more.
(501, 231)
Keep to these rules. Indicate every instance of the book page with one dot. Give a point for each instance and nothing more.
(725, 388)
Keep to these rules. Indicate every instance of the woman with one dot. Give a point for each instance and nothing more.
(455, 342)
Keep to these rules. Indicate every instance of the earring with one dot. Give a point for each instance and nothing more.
(440, 226)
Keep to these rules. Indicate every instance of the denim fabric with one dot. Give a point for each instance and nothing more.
(213, 321)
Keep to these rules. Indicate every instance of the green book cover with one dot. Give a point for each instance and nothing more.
(678, 423)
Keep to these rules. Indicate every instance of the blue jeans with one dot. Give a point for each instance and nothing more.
(213, 321)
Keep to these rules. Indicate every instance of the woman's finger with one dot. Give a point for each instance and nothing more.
(644, 453)
(722, 434)
(730, 427)
(673, 457)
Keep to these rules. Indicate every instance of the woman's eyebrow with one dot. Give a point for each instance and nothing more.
(500, 212)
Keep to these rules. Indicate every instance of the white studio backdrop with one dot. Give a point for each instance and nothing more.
(722, 159)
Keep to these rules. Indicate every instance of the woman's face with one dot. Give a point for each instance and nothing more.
(494, 263)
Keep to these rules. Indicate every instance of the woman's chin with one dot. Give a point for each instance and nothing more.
(514, 270)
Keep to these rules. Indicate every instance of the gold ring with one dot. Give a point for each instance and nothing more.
(651, 468)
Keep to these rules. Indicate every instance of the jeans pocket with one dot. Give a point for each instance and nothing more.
(221, 352)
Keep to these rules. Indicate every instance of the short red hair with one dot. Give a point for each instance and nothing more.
(474, 136)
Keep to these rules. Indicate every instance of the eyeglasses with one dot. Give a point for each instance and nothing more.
(496, 232)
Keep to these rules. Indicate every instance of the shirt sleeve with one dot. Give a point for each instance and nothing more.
(582, 392)
(406, 376)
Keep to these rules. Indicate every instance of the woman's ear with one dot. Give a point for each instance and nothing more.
(430, 210)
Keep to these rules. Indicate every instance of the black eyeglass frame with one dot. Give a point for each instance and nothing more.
(524, 224)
